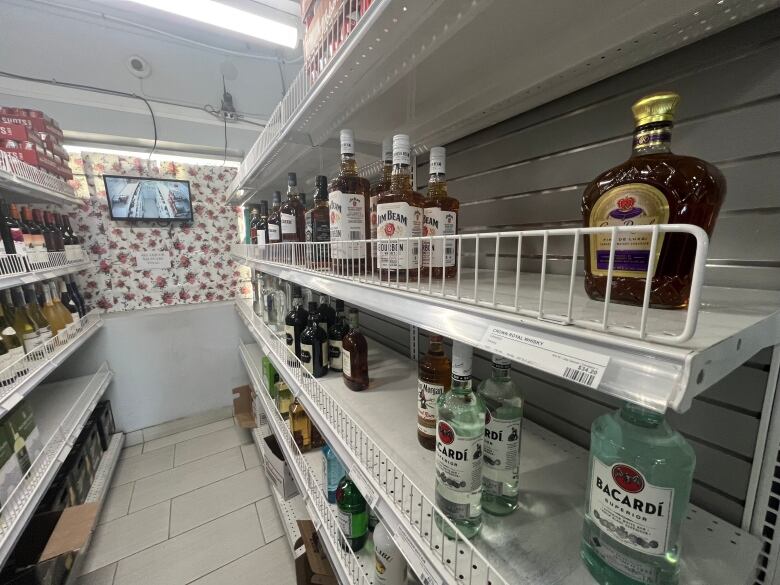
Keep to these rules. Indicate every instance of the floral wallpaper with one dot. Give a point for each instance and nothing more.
(201, 267)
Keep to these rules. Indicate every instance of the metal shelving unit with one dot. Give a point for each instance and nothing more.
(401, 69)
(22, 183)
(40, 363)
(394, 472)
(61, 410)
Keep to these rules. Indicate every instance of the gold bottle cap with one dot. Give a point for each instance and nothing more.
(658, 107)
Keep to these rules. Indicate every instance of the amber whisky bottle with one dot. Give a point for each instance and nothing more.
(440, 218)
(292, 213)
(654, 186)
(319, 226)
(434, 374)
(274, 222)
(382, 185)
(354, 353)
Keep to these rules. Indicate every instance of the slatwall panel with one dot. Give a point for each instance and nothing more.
(530, 171)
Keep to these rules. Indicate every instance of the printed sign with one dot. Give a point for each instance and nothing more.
(153, 260)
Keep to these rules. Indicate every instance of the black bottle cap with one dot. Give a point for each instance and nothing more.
(339, 305)
(276, 198)
(264, 208)
(312, 307)
(321, 182)
(292, 180)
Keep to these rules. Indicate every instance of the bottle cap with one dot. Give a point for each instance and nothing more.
(276, 198)
(387, 150)
(500, 361)
(462, 356)
(658, 107)
(339, 305)
(321, 182)
(401, 150)
(292, 180)
(347, 141)
(437, 160)
(264, 208)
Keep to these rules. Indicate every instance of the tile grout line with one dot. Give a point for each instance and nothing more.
(209, 455)
(185, 440)
(184, 430)
(259, 520)
(225, 565)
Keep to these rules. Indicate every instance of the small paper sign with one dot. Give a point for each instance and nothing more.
(153, 260)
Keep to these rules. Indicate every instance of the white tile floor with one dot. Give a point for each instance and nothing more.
(190, 504)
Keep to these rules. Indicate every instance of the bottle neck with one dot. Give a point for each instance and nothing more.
(436, 345)
(640, 416)
(653, 138)
(401, 178)
(387, 172)
(354, 323)
(461, 383)
(47, 295)
(437, 186)
(348, 165)
(298, 302)
(500, 371)
(292, 193)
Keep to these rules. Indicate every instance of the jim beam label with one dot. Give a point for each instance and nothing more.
(502, 453)
(347, 223)
(427, 395)
(627, 508)
(274, 235)
(334, 355)
(288, 223)
(396, 221)
(439, 253)
(627, 205)
(458, 471)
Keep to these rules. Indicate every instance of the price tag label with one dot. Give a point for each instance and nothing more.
(575, 364)
(415, 558)
(368, 493)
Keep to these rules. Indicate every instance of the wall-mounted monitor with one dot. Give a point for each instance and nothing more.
(143, 199)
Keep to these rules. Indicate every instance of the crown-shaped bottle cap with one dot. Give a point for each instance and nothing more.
(658, 107)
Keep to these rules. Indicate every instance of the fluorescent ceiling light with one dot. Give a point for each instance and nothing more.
(188, 160)
(227, 17)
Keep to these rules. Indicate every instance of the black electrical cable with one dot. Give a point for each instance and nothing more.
(154, 125)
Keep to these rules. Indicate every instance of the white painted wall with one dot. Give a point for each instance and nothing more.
(168, 363)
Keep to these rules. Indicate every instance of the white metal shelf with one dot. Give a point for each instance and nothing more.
(374, 433)
(22, 182)
(14, 273)
(419, 68)
(61, 410)
(731, 325)
(42, 362)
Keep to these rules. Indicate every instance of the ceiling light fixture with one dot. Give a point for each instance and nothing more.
(188, 160)
(227, 17)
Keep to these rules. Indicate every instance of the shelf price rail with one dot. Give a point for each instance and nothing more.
(18, 269)
(25, 180)
(345, 562)
(411, 518)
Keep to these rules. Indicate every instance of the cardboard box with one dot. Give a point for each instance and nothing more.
(270, 377)
(34, 123)
(242, 407)
(10, 471)
(78, 473)
(103, 417)
(277, 470)
(20, 133)
(313, 568)
(93, 452)
(30, 153)
(19, 427)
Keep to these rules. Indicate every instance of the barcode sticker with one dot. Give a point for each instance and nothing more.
(575, 364)
(355, 235)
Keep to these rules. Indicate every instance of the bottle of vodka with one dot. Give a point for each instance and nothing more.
(641, 472)
(460, 432)
(500, 471)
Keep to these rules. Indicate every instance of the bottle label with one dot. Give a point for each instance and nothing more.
(372, 203)
(346, 363)
(631, 567)
(36, 248)
(307, 353)
(353, 525)
(458, 471)
(7, 371)
(396, 221)
(502, 453)
(18, 237)
(273, 233)
(439, 223)
(334, 353)
(347, 223)
(324, 357)
(427, 395)
(17, 358)
(629, 509)
(288, 223)
(289, 336)
(261, 237)
(390, 565)
(626, 205)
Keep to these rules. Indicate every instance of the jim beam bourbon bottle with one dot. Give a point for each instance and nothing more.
(641, 471)
(440, 218)
(381, 186)
(654, 186)
(399, 216)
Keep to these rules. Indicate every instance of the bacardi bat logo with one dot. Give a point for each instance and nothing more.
(446, 433)
(628, 478)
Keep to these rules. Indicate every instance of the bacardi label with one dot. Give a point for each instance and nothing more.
(274, 235)
(437, 222)
(427, 395)
(347, 223)
(346, 363)
(335, 357)
(625, 506)
(458, 471)
(307, 357)
(502, 453)
(396, 221)
(288, 223)
(631, 567)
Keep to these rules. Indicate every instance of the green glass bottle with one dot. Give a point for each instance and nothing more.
(460, 432)
(641, 472)
(501, 467)
(352, 513)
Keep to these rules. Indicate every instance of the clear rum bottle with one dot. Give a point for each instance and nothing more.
(641, 472)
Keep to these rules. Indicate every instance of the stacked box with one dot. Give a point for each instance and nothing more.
(25, 438)
(35, 138)
(103, 417)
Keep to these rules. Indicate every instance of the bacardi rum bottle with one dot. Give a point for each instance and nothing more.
(389, 563)
(641, 472)
(460, 432)
(501, 469)
(440, 218)
(274, 221)
(399, 216)
(434, 375)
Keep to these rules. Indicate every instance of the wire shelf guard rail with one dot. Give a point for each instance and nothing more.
(32, 178)
(25, 268)
(415, 522)
(495, 277)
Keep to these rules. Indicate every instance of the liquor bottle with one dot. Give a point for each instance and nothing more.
(350, 219)
(399, 215)
(262, 226)
(50, 313)
(332, 471)
(73, 250)
(22, 455)
(389, 563)
(354, 355)
(56, 235)
(460, 433)
(654, 186)
(7, 224)
(352, 514)
(67, 301)
(292, 214)
(76, 295)
(314, 346)
(33, 239)
(434, 375)
(327, 314)
(336, 335)
(63, 312)
(254, 221)
(284, 398)
(257, 301)
(34, 312)
(638, 463)
(294, 324)
(274, 222)
(386, 156)
(267, 296)
(12, 341)
(300, 426)
(318, 224)
(7, 371)
(48, 235)
(373, 519)
(501, 467)
(304, 204)
(317, 441)
(22, 324)
(440, 218)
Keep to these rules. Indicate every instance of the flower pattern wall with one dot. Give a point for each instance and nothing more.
(201, 267)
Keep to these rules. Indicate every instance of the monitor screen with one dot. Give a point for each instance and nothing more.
(141, 199)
